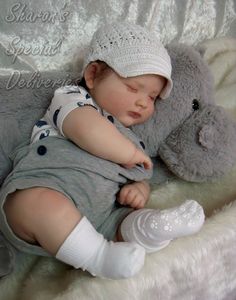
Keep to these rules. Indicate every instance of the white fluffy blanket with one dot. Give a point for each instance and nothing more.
(221, 57)
(200, 267)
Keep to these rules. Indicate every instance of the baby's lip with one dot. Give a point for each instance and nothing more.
(134, 114)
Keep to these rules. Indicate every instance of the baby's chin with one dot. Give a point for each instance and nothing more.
(128, 121)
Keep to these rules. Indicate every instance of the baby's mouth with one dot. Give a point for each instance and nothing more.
(134, 115)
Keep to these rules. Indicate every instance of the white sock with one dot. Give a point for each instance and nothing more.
(87, 249)
(154, 229)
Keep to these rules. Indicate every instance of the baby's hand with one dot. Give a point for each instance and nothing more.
(139, 157)
(135, 194)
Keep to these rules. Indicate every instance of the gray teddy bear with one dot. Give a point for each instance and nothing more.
(194, 138)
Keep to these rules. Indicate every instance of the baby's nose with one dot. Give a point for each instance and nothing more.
(142, 102)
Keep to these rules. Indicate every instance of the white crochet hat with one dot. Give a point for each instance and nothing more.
(130, 50)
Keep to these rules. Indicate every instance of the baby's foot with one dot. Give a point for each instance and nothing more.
(175, 222)
(154, 229)
(87, 249)
(117, 260)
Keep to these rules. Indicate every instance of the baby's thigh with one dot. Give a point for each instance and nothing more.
(30, 212)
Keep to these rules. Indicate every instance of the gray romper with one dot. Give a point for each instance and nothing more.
(90, 182)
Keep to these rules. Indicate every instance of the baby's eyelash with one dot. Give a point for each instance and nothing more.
(132, 89)
(153, 98)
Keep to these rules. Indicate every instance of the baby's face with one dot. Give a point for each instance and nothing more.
(130, 100)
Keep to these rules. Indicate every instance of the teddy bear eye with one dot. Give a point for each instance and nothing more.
(195, 104)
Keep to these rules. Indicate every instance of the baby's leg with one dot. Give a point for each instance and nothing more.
(47, 217)
(154, 229)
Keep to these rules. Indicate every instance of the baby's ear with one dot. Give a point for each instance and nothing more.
(89, 75)
(91, 72)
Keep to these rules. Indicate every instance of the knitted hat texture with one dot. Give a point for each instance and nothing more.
(130, 50)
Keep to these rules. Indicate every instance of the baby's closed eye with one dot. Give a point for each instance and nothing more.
(152, 98)
(131, 88)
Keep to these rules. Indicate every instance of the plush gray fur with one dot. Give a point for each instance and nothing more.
(194, 144)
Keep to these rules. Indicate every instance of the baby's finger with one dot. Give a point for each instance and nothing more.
(148, 164)
(124, 195)
(128, 166)
(138, 202)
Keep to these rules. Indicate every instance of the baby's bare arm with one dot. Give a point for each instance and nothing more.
(88, 129)
(135, 194)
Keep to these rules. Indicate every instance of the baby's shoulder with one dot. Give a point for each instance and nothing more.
(70, 89)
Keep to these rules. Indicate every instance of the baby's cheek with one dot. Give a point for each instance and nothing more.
(150, 111)
(147, 116)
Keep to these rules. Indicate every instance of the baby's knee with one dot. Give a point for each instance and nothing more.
(18, 209)
(30, 212)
